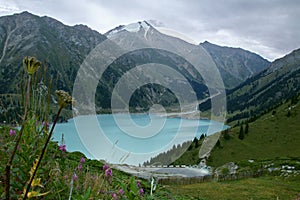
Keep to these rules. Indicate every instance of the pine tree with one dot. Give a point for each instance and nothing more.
(202, 137)
(241, 134)
(196, 142)
(247, 128)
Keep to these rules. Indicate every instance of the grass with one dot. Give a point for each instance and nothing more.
(268, 187)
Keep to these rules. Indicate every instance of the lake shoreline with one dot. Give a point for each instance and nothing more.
(162, 172)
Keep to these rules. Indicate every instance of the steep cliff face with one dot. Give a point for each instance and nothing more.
(278, 83)
(235, 64)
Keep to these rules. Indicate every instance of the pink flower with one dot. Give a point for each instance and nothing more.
(75, 177)
(12, 132)
(138, 183)
(121, 192)
(141, 191)
(108, 172)
(82, 160)
(62, 147)
(79, 167)
(105, 167)
(114, 195)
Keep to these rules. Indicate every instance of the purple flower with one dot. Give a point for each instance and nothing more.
(138, 183)
(75, 177)
(121, 192)
(79, 167)
(82, 160)
(12, 132)
(105, 167)
(62, 147)
(114, 195)
(141, 191)
(108, 172)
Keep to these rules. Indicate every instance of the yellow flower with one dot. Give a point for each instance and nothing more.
(36, 194)
(31, 65)
(64, 98)
(36, 182)
(33, 167)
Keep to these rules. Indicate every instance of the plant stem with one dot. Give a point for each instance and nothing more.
(8, 165)
(42, 154)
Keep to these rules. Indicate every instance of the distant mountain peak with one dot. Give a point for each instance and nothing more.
(133, 28)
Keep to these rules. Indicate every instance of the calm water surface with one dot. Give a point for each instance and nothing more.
(133, 138)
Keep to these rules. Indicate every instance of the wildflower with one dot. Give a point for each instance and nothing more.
(12, 132)
(75, 177)
(141, 191)
(36, 182)
(33, 168)
(82, 160)
(108, 172)
(138, 183)
(36, 194)
(114, 195)
(105, 167)
(64, 98)
(121, 192)
(62, 147)
(79, 167)
(31, 65)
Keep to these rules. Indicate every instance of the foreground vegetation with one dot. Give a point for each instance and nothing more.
(36, 167)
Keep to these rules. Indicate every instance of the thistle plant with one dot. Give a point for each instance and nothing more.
(64, 99)
(31, 66)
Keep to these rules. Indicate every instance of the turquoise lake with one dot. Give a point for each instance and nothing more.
(129, 138)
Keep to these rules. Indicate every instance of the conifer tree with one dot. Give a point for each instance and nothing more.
(247, 128)
(241, 134)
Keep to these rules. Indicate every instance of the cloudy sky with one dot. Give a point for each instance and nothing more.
(270, 28)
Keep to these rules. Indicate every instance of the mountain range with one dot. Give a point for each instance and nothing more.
(273, 86)
(249, 79)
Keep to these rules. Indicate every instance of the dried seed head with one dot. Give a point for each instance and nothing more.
(31, 65)
(64, 98)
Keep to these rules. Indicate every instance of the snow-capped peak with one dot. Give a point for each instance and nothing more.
(133, 27)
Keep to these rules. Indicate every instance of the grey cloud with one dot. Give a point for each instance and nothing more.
(269, 28)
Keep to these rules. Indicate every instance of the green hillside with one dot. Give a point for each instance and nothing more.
(275, 134)
(279, 82)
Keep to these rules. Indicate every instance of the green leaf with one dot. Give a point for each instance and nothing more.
(87, 194)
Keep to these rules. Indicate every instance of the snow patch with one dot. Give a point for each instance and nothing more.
(133, 28)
